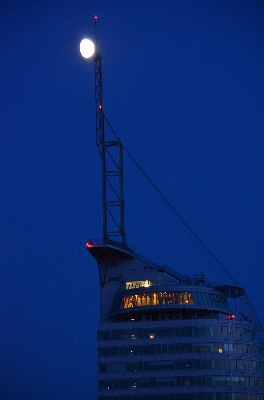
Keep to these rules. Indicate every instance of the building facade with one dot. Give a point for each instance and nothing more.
(165, 336)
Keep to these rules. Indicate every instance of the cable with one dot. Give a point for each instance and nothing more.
(183, 222)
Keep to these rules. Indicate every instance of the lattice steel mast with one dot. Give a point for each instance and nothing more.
(111, 153)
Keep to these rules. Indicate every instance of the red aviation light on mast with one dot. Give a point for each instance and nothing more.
(231, 316)
(89, 244)
(100, 106)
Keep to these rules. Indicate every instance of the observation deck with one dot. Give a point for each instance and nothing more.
(174, 299)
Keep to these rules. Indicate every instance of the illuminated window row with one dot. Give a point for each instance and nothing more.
(181, 364)
(157, 298)
(172, 298)
(180, 381)
(235, 348)
(184, 331)
(193, 396)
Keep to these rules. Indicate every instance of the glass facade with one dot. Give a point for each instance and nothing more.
(184, 348)
(181, 381)
(187, 364)
(179, 331)
(193, 396)
(179, 356)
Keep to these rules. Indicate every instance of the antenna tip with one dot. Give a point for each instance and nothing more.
(95, 17)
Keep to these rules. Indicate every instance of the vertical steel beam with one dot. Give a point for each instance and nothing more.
(100, 133)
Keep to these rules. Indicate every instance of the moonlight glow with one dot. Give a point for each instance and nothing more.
(86, 48)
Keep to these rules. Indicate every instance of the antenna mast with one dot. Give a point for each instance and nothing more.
(111, 153)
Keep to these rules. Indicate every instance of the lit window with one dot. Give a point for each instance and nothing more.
(220, 350)
(151, 335)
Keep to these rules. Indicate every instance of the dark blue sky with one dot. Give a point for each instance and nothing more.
(184, 89)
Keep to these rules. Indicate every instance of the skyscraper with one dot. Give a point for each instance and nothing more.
(164, 336)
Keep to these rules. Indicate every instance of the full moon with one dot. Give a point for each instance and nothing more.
(86, 48)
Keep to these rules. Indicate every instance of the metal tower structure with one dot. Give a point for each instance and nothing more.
(111, 154)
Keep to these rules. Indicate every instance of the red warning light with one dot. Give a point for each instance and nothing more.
(95, 17)
(231, 316)
(89, 244)
(100, 106)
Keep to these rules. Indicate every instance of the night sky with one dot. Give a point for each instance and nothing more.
(183, 87)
